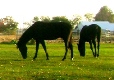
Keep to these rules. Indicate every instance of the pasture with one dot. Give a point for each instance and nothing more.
(13, 67)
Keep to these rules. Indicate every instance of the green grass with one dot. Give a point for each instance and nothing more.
(13, 67)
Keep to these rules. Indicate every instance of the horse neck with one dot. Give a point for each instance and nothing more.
(24, 39)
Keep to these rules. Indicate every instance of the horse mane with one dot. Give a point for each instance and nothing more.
(25, 37)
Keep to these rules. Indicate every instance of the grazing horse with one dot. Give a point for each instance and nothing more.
(41, 31)
(89, 34)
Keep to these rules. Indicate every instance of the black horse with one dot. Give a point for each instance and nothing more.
(89, 34)
(41, 31)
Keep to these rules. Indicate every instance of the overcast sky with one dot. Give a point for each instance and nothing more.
(25, 10)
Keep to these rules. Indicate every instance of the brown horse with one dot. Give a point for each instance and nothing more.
(41, 31)
(89, 34)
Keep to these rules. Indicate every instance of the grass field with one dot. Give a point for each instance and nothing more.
(13, 67)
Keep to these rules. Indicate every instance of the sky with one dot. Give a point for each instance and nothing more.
(25, 10)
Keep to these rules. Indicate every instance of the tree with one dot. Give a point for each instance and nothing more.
(75, 20)
(43, 18)
(28, 24)
(60, 18)
(89, 16)
(8, 25)
(35, 19)
(2, 26)
(105, 14)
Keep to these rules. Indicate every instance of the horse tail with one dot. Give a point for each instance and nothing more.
(69, 39)
(98, 34)
(98, 39)
(69, 44)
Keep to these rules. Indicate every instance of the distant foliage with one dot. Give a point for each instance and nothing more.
(60, 18)
(89, 17)
(74, 21)
(35, 19)
(8, 25)
(45, 18)
(105, 14)
(31, 42)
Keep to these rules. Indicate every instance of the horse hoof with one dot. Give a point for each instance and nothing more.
(71, 59)
(47, 59)
(97, 55)
(94, 55)
(63, 59)
(33, 59)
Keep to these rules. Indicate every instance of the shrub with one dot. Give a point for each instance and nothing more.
(31, 42)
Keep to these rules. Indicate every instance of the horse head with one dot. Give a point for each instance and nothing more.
(81, 49)
(23, 50)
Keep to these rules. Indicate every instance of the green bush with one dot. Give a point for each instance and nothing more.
(13, 41)
(31, 42)
(10, 42)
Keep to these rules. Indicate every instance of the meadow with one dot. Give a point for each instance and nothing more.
(13, 67)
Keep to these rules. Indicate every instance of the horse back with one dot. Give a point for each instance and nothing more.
(90, 32)
(50, 30)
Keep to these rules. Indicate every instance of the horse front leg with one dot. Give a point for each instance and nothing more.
(91, 48)
(66, 50)
(37, 47)
(44, 47)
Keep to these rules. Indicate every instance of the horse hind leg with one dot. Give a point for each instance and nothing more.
(98, 49)
(69, 45)
(66, 50)
(94, 43)
(98, 41)
(71, 49)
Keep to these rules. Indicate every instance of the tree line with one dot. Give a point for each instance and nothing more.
(9, 26)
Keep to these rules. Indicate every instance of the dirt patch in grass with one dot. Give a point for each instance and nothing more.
(7, 38)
